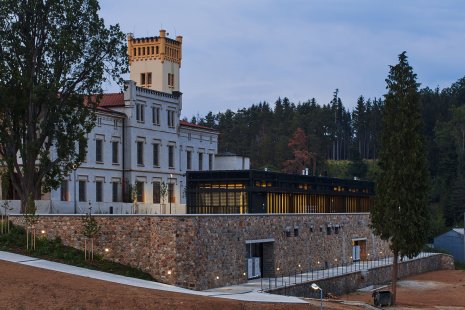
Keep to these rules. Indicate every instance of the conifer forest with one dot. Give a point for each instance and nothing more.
(332, 140)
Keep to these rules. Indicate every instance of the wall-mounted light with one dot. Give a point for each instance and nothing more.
(217, 277)
(169, 271)
(107, 250)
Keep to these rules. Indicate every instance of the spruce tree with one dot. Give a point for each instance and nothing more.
(400, 213)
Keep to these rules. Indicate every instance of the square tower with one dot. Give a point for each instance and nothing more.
(154, 62)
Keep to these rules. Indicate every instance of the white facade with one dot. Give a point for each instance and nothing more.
(229, 161)
(135, 149)
(139, 141)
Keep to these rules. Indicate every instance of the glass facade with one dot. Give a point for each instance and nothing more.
(254, 191)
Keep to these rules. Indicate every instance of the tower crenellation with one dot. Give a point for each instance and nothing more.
(155, 62)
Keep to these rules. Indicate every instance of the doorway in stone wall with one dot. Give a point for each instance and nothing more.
(259, 258)
(359, 249)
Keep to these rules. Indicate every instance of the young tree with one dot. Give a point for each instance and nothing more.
(53, 56)
(400, 214)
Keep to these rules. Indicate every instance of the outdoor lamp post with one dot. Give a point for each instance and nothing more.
(74, 188)
(316, 287)
(170, 192)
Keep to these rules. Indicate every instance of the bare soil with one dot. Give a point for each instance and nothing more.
(24, 287)
(443, 289)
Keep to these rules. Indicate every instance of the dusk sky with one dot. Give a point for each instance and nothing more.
(237, 53)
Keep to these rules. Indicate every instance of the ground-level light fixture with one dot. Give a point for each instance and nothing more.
(316, 287)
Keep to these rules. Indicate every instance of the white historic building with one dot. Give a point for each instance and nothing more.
(139, 142)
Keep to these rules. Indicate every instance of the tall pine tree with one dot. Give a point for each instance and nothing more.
(400, 213)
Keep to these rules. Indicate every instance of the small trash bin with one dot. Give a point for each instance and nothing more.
(382, 298)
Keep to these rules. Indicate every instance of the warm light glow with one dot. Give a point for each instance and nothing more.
(277, 269)
(368, 254)
(299, 266)
(244, 273)
(335, 259)
(351, 257)
(169, 271)
(107, 250)
(43, 231)
(217, 277)
(318, 262)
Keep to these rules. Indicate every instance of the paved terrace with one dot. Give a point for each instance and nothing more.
(253, 290)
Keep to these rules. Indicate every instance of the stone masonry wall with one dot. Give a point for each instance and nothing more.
(353, 281)
(206, 251)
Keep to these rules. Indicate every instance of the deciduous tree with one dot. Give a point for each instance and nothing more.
(53, 54)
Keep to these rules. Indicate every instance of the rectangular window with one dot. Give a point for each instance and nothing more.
(140, 191)
(140, 112)
(98, 191)
(64, 190)
(200, 161)
(156, 115)
(115, 191)
(140, 153)
(142, 79)
(99, 150)
(210, 161)
(171, 196)
(170, 156)
(149, 78)
(82, 190)
(156, 154)
(189, 160)
(170, 79)
(156, 192)
(170, 118)
(114, 147)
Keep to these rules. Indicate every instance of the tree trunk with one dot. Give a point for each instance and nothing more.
(394, 277)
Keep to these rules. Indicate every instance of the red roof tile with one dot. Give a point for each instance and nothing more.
(187, 124)
(112, 100)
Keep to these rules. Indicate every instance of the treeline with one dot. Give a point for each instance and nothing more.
(268, 134)
(263, 132)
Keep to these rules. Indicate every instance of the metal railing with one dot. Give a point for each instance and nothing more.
(300, 275)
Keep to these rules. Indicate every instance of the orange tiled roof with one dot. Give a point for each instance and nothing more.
(187, 124)
(112, 100)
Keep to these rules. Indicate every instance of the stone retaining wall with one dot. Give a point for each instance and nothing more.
(207, 251)
(375, 276)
